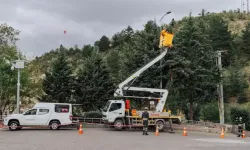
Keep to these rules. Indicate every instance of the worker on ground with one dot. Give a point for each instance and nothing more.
(240, 125)
(145, 117)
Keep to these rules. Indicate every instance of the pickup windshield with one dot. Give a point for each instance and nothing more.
(106, 106)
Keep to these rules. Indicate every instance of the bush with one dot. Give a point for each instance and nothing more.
(240, 112)
(93, 114)
(210, 112)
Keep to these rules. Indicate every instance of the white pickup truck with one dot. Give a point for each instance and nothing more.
(53, 115)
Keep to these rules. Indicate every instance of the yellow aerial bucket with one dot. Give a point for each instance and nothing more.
(166, 39)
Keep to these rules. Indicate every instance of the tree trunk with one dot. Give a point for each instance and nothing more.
(191, 113)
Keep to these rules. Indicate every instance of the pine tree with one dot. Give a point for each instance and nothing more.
(57, 82)
(104, 44)
(221, 38)
(94, 85)
(245, 45)
(195, 75)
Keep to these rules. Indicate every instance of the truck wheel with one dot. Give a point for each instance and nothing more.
(13, 125)
(118, 124)
(160, 125)
(54, 125)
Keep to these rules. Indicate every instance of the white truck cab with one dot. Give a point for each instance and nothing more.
(42, 114)
(113, 110)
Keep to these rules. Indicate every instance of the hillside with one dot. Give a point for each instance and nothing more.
(89, 75)
(236, 23)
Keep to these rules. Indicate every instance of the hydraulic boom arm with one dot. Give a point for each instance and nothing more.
(119, 91)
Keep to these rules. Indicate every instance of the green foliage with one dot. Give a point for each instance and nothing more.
(240, 112)
(8, 35)
(235, 84)
(57, 83)
(95, 69)
(103, 44)
(244, 44)
(220, 38)
(193, 62)
(93, 114)
(93, 85)
(210, 112)
(8, 77)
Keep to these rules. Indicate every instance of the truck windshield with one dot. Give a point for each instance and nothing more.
(106, 106)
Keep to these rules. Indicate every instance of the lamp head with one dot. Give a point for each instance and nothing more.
(169, 12)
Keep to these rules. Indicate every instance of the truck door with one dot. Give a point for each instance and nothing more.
(116, 111)
(30, 117)
(42, 116)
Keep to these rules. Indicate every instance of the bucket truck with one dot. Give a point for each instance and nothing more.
(116, 112)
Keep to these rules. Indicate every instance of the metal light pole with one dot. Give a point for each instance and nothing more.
(18, 64)
(161, 48)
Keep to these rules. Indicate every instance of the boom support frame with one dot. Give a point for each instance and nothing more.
(163, 97)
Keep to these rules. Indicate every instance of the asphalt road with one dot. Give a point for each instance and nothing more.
(106, 139)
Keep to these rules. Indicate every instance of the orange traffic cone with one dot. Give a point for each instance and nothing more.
(243, 134)
(184, 132)
(80, 131)
(222, 133)
(157, 131)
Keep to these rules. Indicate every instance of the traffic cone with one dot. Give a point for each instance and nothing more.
(243, 134)
(184, 132)
(80, 131)
(222, 133)
(157, 131)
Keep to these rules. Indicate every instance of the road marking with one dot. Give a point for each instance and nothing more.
(216, 140)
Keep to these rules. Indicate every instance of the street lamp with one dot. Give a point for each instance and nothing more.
(18, 64)
(168, 12)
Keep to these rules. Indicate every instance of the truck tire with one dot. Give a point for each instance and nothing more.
(54, 125)
(160, 125)
(118, 124)
(13, 125)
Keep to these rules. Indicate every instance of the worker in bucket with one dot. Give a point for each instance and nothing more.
(145, 117)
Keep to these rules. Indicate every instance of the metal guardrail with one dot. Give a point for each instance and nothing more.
(227, 127)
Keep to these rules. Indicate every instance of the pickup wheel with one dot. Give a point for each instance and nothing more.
(13, 125)
(118, 124)
(54, 125)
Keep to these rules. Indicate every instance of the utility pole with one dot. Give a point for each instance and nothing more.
(220, 89)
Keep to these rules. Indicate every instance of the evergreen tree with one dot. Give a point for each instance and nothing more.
(103, 44)
(122, 37)
(93, 86)
(235, 84)
(221, 38)
(193, 64)
(245, 45)
(57, 82)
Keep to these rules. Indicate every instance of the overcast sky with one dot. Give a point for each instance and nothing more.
(42, 22)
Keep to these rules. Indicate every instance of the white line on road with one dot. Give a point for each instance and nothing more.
(223, 141)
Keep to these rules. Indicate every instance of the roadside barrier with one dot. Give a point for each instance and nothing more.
(190, 125)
